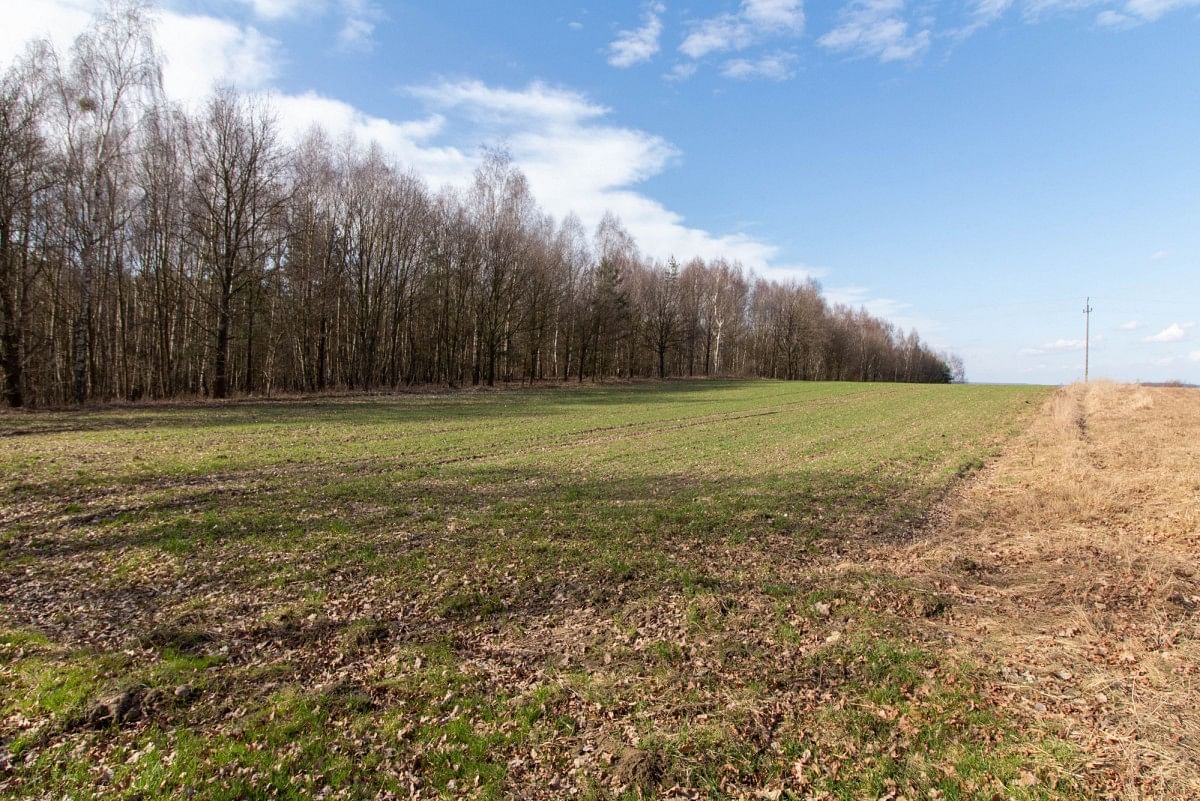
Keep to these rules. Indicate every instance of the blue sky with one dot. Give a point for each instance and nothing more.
(970, 167)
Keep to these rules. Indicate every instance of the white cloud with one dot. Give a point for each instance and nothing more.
(638, 45)
(876, 29)
(575, 25)
(754, 21)
(282, 9)
(1152, 10)
(1172, 333)
(358, 29)
(410, 142)
(1149, 11)
(1114, 19)
(785, 13)
(538, 100)
(1035, 10)
(1058, 345)
(773, 66)
(681, 71)
(60, 21)
(1123, 14)
(726, 32)
(990, 9)
(1194, 355)
(1131, 325)
(1160, 255)
(356, 32)
(1112, 14)
(200, 51)
(894, 311)
(982, 13)
(571, 148)
(576, 162)
(782, 14)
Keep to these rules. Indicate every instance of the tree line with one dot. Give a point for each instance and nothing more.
(151, 252)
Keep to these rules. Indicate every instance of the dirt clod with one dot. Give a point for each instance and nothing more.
(124, 708)
(637, 768)
(185, 693)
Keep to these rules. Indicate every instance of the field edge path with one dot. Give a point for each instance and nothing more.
(1071, 564)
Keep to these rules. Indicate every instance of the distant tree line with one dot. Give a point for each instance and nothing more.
(146, 252)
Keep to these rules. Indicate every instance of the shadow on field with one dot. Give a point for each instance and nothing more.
(364, 410)
(374, 409)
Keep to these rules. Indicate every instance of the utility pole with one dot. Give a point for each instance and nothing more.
(1087, 335)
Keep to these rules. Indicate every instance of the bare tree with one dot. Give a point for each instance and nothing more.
(661, 303)
(26, 173)
(237, 171)
(113, 76)
(502, 206)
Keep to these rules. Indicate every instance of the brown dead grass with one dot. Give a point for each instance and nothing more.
(1073, 560)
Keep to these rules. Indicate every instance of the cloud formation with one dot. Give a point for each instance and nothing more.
(200, 50)
(359, 17)
(897, 312)
(753, 22)
(358, 28)
(876, 29)
(1058, 345)
(681, 71)
(538, 101)
(282, 9)
(1110, 14)
(885, 30)
(1172, 333)
(577, 162)
(989, 10)
(1137, 12)
(777, 66)
(638, 45)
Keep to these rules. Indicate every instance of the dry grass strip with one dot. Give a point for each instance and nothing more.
(1073, 563)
